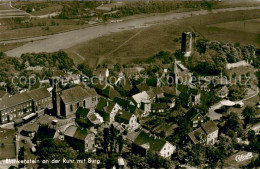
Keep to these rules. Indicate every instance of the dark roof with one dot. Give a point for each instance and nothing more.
(76, 132)
(209, 127)
(171, 90)
(125, 104)
(142, 87)
(123, 116)
(197, 135)
(104, 107)
(126, 84)
(159, 106)
(101, 104)
(45, 132)
(157, 90)
(39, 94)
(110, 92)
(192, 113)
(82, 111)
(151, 93)
(144, 140)
(14, 100)
(76, 94)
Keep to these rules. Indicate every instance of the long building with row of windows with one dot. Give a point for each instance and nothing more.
(20, 105)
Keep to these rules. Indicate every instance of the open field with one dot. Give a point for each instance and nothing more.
(153, 39)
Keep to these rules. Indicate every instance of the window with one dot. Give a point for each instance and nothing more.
(71, 108)
(84, 103)
(77, 104)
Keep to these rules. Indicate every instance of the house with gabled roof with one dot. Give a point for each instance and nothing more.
(66, 102)
(127, 120)
(211, 130)
(194, 116)
(137, 98)
(145, 142)
(195, 96)
(171, 91)
(15, 107)
(142, 87)
(41, 99)
(107, 109)
(46, 132)
(80, 138)
(158, 107)
(126, 104)
(110, 92)
(124, 84)
(197, 136)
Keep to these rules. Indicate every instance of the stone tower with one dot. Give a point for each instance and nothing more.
(56, 92)
(186, 43)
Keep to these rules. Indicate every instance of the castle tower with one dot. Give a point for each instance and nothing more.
(56, 92)
(186, 46)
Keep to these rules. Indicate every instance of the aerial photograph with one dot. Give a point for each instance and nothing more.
(129, 84)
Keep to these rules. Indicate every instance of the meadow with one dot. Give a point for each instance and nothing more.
(127, 46)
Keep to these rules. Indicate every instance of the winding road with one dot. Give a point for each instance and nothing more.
(52, 43)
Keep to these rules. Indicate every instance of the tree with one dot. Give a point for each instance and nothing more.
(120, 143)
(21, 156)
(249, 114)
(156, 161)
(117, 67)
(233, 123)
(136, 161)
(85, 69)
(251, 135)
(105, 139)
(55, 149)
(112, 135)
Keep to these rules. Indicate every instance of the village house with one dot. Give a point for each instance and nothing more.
(197, 136)
(127, 120)
(15, 107)
(46, 132)
(195, 96)
(146, 107)
(145, 142)
(158, 107)
(137, 98)
(194, 116)
(41, 99)
(211, 130)
(126, 104)
(80, 139)
(66, 102)
(107, 109)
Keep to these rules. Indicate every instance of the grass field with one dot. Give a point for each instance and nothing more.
(118, 48)
(12, 30)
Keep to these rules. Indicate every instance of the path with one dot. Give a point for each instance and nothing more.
(68, 39)
(216, 116)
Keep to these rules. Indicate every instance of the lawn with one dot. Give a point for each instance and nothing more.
(35, 27)
(126, 46)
